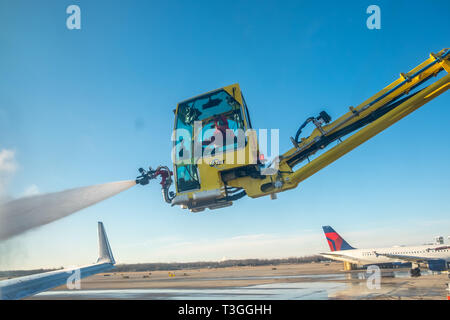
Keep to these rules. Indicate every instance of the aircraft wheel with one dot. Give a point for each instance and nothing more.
(415, 272)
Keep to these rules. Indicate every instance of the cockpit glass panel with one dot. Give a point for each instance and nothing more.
(220, 118)
(187, 177)
(210, 123)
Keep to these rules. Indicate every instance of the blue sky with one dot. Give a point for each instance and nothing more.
(81, 107)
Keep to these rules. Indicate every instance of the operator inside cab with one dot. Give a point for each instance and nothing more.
(205, 126)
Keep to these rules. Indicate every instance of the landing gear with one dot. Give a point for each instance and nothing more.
(415, 272)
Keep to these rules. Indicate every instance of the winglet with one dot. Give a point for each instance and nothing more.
(104, 250)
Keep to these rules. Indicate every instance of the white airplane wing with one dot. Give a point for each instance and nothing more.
(403, 257)
(19, 288)
(339, 257)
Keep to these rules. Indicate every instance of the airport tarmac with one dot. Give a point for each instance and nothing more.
(300, 281)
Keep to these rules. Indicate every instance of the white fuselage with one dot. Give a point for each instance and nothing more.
(375, 255)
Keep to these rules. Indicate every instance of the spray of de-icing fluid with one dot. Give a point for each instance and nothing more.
(20, 215)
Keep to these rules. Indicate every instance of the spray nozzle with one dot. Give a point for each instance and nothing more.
(166, 180)
(144, 178)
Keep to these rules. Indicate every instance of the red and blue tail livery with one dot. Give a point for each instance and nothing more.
(335, 241)
(437, 255)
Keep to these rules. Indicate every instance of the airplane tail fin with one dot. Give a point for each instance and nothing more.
(104, 250)
(335, 241)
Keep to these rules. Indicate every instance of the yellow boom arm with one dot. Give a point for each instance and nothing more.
(209, 137)
(371, 117)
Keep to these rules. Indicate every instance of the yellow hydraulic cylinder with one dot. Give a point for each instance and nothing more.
(371, 130)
